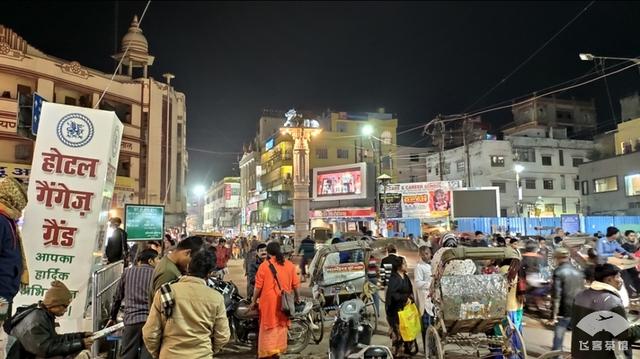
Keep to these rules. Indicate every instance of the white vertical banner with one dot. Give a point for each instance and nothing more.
(70, 189)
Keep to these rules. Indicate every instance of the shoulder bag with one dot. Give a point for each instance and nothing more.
(288, 300)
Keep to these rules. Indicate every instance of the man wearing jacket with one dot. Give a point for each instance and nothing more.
(34, 329)
(117, 248)
(567, 283)
(308, 250)
(13, 268)
(261, 254)
(602, 295)
(188, 319)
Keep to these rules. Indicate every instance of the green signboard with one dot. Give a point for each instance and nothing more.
(143, 222)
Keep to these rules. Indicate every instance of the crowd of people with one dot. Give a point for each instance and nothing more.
(548, 269)
(170, 309)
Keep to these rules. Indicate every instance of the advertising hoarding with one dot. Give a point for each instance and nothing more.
(419, 199)
(340, 182)
(144, 222)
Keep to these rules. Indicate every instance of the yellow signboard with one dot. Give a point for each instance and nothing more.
(125, 191)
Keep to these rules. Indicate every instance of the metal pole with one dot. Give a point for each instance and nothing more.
(519, 188)
(167, 178)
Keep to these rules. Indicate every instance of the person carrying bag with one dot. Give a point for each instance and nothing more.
(275, 294)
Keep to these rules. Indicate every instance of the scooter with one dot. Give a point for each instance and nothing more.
(243, 320)
(351, 331)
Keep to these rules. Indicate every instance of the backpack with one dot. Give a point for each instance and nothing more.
(21, 313)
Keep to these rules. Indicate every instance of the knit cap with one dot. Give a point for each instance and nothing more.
(58, 294)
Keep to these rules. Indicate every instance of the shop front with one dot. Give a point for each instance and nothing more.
(344, 220)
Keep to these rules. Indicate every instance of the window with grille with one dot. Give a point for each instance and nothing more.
(322, 153)
(343, 153)
(546, 160)
(501, 185)
(547, 184)
(530, 183)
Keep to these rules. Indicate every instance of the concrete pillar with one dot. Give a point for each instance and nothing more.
(301, 137)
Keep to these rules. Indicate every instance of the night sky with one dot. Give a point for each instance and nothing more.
(415, 59)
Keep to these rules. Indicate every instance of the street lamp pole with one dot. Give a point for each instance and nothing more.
(167, 177)
(518, 169)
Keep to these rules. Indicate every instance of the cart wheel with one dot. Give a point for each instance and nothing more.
(513, 334)
(434, 346)
(370, 313)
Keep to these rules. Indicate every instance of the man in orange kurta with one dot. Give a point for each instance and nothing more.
(274, 324)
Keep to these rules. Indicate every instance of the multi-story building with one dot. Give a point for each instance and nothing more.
(577, 117)
(410, 163)
(341, 142)
(611, 184)
(222, 206)
(249, 185)
(548, 155)
(153, 157)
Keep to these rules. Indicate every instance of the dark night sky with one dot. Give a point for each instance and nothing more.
(414, 59)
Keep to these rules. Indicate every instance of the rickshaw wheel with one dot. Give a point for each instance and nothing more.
(434, 346)
(370, 310)
(511, 330)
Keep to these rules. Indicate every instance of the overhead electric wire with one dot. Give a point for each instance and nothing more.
(535, 97)
(522, 64)
(213, 152)
(124, 54)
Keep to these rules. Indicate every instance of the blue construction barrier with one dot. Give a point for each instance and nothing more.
(527, 226)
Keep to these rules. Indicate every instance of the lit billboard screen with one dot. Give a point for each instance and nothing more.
(339, 182)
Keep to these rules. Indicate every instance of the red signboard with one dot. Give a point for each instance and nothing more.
(343, 213)
(227, 192)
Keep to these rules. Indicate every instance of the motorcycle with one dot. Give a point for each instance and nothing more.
(352, 330)
(243, 320)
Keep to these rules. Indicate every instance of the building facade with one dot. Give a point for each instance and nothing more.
(549, 178)
(269, 202)
(153, 157)
(222, 206)
(411, 163)
(611, 185)
(577, 117)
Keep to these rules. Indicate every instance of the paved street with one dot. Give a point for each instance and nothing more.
(537, 338)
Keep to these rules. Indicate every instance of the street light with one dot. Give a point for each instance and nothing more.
(367, 130)
(590, 57)
(199, 190)
(518, 169)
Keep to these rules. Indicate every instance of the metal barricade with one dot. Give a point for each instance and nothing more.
(103, 289)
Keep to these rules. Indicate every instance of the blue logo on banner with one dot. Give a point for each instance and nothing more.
(75, 130)
(35, 114)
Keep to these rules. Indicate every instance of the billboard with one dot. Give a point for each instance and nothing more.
(475, 202)
(144, 222)
(418, 200)
(340, 182)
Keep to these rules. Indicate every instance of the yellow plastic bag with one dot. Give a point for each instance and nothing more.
(409, 322)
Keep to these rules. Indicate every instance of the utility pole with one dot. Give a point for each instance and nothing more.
(439, 133)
